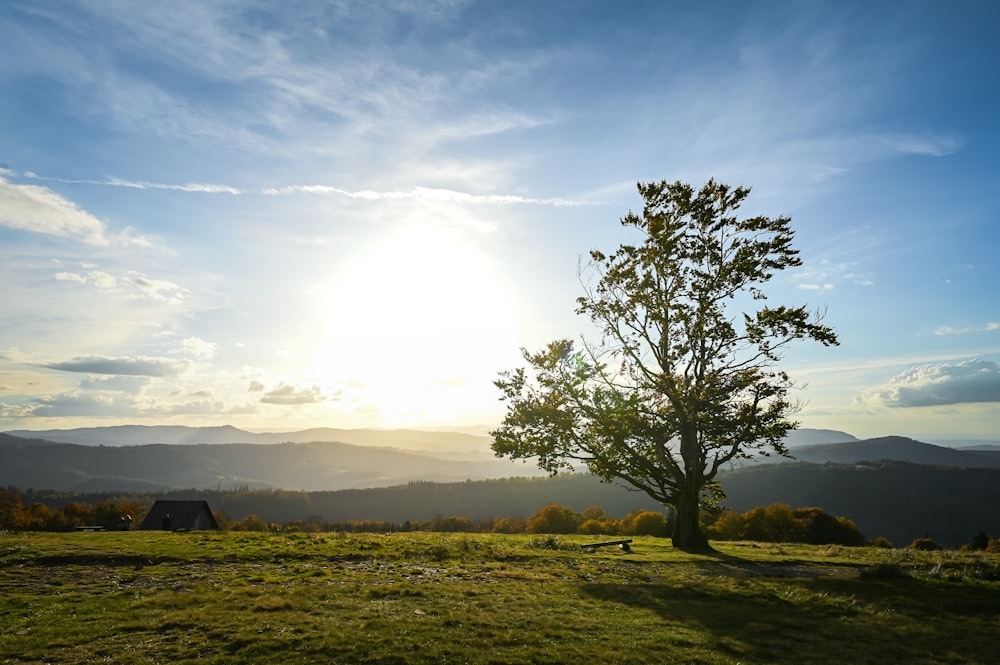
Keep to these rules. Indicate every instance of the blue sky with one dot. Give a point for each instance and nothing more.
(281, 215)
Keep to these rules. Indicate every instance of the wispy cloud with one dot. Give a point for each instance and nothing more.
(827, 275)
(948, 330)
(930, 145)
(416, 193)
(206, 188)
(973, 381)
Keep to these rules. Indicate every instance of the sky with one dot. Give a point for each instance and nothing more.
(282, 215)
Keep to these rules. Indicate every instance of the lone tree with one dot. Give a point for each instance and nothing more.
(683, 380)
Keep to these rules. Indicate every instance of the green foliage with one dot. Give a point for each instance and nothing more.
(680, 385)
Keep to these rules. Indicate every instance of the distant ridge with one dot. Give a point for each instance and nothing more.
(318, 465)
(139, 435)
(897, 448)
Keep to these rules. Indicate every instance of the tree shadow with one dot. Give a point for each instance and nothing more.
(812, 619)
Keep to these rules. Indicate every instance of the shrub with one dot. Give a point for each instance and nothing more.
(881, 542)
(593, 527)
(728, 526)
(645, 523)
(821, 528)
(778, 523)
(924, 544)
(510, 525)
(553, 519)
(251, 523)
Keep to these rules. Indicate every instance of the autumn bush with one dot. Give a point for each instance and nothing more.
(645, 523)
(924, 545)
(554, 518)
(779, 523)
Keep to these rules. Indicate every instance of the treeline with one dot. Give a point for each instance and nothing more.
(775, 523)
(550, 519)
(35, 515)
(413, 501)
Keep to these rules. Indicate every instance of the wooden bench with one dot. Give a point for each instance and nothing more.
(622, 544)
(90, 528)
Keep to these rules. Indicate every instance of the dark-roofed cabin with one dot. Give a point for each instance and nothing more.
(179, 516)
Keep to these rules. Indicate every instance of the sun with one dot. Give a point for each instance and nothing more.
(418, 327)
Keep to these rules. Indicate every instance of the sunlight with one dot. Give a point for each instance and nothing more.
(418, 328)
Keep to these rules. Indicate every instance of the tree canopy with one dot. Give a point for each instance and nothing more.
(683, 379)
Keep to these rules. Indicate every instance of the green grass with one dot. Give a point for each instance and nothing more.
(155, 597)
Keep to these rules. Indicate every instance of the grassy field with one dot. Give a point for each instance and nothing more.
(157, 597)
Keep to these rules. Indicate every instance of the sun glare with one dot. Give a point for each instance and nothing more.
(418, 328)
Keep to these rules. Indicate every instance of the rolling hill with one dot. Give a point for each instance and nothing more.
(302, 466)
(140, 435)
(896, 448)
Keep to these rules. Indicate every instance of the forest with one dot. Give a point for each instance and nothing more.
(894, 501)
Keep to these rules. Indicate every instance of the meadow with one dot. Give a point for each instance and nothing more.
(395, 599)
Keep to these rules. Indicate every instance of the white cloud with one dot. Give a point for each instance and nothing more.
(158, 290)
(199, 348)
(101, 280)
(972, 381)
(133, 285)
(38, 209)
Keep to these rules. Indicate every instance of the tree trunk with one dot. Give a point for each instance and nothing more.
(687, 525)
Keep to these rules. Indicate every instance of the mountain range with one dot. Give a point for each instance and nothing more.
(891, 486)
(139, 435)
(160, 458)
